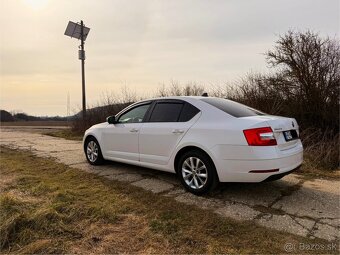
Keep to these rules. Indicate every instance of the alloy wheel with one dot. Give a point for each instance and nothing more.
(92, 151)
(194, 172)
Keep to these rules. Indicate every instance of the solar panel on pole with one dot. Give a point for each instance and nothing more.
(74, 30)
(80, 32)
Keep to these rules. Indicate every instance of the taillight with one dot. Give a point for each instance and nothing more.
(263, 136)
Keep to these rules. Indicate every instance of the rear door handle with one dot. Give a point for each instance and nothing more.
(178, 131)
(134, 130)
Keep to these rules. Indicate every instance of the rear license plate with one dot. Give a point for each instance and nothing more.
(290, 135)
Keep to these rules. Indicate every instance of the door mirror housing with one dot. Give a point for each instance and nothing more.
(111, 119)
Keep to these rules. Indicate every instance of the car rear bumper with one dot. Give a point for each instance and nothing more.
(258, 170)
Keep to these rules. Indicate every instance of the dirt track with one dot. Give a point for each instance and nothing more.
(30, 124)
(303, 207)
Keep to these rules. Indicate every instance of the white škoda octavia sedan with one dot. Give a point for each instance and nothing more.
(204, 140)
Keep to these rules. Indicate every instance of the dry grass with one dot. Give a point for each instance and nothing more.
(66, 134)
(321, 148)
(310, 171)
(47, 207)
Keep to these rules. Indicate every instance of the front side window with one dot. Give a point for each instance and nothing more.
(234, 109)
(134, 115)
(166, 112)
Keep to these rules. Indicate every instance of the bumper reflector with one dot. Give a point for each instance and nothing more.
(264, 171)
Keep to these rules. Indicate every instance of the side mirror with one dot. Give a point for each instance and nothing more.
(111, 119)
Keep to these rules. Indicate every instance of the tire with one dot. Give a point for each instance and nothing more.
(197, 172)
(93, 152)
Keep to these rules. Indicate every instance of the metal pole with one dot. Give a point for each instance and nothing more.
(83, 68)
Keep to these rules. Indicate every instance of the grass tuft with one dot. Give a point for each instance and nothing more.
(9, 205)
(13, 219)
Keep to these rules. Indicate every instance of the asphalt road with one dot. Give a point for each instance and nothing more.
(307, 208)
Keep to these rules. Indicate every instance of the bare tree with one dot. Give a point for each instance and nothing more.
(259, 91)
(309, 68)
(176, 89)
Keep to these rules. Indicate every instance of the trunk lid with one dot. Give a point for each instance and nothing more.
(286, 131)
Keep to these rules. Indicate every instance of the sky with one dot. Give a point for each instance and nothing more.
(139, 45)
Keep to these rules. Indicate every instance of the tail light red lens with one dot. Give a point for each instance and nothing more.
(263, 136)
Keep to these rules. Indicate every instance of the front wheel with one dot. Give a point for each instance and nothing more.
(197, 172)
(92, 151)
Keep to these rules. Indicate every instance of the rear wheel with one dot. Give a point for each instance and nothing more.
(92, 151)
(197, 172)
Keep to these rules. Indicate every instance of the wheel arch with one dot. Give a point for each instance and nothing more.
(190, 148)
(87, 137)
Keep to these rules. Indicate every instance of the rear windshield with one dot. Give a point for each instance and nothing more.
(234, 109)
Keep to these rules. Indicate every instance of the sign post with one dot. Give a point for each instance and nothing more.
(80, 32)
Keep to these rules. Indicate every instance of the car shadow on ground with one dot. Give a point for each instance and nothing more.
(263, 191)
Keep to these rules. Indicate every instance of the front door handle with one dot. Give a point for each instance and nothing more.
(134, 130)
(178, 131)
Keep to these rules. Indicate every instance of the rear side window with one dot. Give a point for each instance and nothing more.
(234, 109)
(188, 112)
(166, 112)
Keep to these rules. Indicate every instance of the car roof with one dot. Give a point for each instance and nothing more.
(174, 97)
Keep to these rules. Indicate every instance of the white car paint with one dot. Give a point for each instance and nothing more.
(220, 135)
